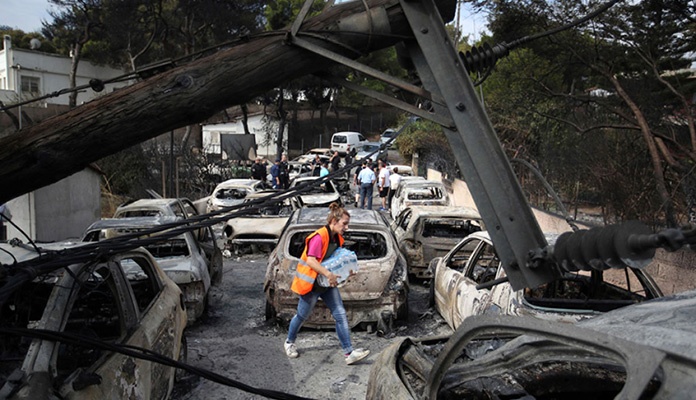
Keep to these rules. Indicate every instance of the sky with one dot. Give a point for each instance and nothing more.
(27, 15)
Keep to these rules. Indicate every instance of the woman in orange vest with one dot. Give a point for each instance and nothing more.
(318, 246)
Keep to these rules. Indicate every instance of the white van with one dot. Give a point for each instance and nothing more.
(345, 141)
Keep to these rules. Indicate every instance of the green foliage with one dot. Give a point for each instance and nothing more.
(427, 139)
(282, 13)
(21, 39)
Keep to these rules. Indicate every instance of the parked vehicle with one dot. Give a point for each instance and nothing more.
(172, 207)
(386, 136)
(372, 150)
(318, 196)
(573, 297)
(343, 142)
(404, 170)
(412, 192)
(426, 232)
(179, 208)
(232, 192)
(260, 226)
(376, 295)
(121, 299)
(643, 351)
(180, 257)
(309, 156)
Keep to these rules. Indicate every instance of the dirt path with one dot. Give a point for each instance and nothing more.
(237, 342)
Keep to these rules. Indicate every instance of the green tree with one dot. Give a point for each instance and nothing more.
(614, 76)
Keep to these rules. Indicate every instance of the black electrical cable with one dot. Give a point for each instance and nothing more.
(143, 354)
(484, 57)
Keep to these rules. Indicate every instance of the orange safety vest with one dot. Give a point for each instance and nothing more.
(305, 275)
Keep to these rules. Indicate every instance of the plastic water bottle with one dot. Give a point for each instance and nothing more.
(341, 263)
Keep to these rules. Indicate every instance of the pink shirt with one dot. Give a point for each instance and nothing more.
(314, 247)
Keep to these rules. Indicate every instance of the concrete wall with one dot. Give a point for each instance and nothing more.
(673, 272)
(59, 211)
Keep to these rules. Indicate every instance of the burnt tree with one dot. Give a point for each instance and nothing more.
(65, 144)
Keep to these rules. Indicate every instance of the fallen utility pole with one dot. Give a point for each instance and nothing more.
(63, 145)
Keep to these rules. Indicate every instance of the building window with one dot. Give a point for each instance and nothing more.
(30, 85)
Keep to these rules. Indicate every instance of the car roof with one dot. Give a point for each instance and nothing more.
(419, 183)
(132, 222)
(317, 216)
(236, 183)
(444, 211)
(550, 237)
(149, 203)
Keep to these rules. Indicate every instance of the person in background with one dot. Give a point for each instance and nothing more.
(316, 165)
(319, 246)
(366, 180)
(394, 180)
(258, 170)
(335, 161)
(275, 174)
(324, 169)
(284, 172)
(383, 184)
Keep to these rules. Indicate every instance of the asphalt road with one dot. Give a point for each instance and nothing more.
(237, 342)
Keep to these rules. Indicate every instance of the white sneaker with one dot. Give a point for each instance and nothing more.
(356, 355)
(291, 350)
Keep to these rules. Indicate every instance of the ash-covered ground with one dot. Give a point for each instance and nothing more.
(237, 342)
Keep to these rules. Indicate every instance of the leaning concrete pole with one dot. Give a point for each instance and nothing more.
(63, 145)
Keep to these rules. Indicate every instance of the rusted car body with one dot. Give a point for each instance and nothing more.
(643, 351)
(426, 232)
(417, 192)
(375, 296)
(180, 208)
(123, 299)
(318, 196)
(232, 192)
(260, 226)
(574, 297)
(180, 257)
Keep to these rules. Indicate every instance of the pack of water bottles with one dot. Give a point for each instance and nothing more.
(341, 263)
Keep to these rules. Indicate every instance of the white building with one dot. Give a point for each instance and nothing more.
(263, 127)
(26, 74)
(64, 209)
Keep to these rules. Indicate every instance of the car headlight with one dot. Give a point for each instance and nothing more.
(399, 275)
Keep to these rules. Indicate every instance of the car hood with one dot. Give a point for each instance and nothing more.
(319, 198)
(261, 225)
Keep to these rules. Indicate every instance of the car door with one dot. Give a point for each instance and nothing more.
(206, 240)
(481, 268)
(448, 279)
(121, 302)
(400, 224)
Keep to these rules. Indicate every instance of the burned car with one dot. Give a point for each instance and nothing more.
(232, 192)
(319, 195)
(418, 192)
(180, 257)
(123, 299)
(426, 232)
(260, 226)
(643, 351)
(575, 296)
(180, 208)
(373, 297)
